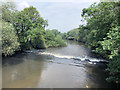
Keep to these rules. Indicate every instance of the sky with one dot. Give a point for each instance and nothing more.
(63, 15)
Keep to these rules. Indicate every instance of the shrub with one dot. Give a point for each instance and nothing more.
(10, 42)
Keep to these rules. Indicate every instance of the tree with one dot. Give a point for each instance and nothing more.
(8, 11)
(35, 39)
(9, 40)
(112, 44)
(55, 31)
(10, 43)
(27, 22)
(53, 38)
(102, 34)
(72, 34)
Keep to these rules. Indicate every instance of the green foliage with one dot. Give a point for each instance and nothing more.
(82, 34)
(60, 41)
(50, 38)
(112, 42)
(55, 31)
(34, 39)
(49, 35)
(72, 34)
(102, 34)
(30, 28)
(10, 42)
(53, 39)
(8, 11)
(63, 35)
(114, 69)
(9, 39)
(26, 27)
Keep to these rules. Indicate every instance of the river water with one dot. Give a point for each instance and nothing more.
(73, 66)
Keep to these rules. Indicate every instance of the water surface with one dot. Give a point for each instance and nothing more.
(63, 67)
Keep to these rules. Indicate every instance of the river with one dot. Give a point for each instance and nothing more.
(73, 66)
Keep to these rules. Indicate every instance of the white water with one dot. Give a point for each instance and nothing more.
(73, 57)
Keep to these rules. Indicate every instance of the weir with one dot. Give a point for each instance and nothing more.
(89, 59)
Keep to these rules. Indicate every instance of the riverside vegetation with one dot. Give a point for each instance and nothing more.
(22, 30)
(101, 33)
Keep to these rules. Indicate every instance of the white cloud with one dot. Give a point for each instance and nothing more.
(22, 5)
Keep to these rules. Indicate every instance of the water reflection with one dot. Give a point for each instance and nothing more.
(25, 74)
(96, 75)
(63, 76)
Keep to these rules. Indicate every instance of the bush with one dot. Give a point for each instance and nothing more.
(72, 34)
(10, 42)
(114, 69)
(53, 40)
(60, 41)
(34, 39)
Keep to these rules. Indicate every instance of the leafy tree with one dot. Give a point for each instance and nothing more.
(8, 10)
(102, 34)
(82, 34)
(60, 41)
(53, 38)
(49, 35)
(26, 29)
(112, 44)
(101, 18)
(29, 22)
(114, 69)
(63, 35)
(9, 39)
(73, 34)
(10, 43)
(55, 31)
(34, 39)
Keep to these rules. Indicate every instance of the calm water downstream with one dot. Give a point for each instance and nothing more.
(73, 66)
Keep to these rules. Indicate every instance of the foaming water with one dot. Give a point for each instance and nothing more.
(73, 57)
(56, 55)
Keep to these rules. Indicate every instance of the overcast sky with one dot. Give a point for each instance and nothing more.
(63, 15)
